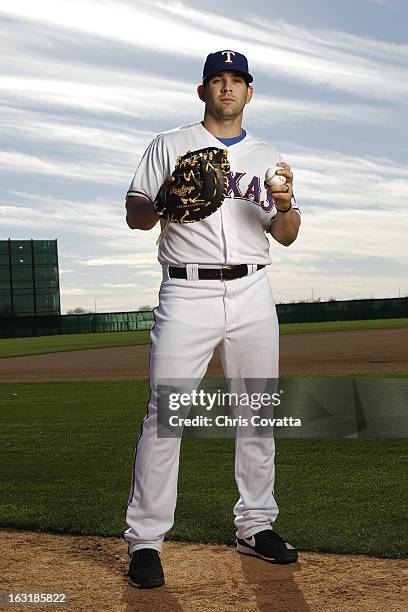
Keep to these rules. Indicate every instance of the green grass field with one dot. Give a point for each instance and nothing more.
(13, 347)
(67, 451)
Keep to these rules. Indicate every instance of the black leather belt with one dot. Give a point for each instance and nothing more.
(225, 273)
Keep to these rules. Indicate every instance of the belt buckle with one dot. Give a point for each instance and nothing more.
(224, 268)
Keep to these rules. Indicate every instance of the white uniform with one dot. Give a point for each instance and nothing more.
(196, 316)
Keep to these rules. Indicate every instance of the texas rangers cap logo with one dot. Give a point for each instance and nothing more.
(226, 60)
(228, 54)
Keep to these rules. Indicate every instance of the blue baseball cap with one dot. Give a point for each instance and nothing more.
(226, 60)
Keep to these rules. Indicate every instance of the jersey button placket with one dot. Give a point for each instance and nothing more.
(230, 232)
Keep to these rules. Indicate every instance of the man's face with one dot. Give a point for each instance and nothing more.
(225, 95)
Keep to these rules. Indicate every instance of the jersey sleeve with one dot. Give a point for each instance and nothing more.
(151, 171)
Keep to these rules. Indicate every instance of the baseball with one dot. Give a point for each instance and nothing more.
(272, 179)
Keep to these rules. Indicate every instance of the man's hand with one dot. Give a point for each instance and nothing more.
(285, 225)
(282, 194)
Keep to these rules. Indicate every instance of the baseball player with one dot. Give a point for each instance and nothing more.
(215, 293)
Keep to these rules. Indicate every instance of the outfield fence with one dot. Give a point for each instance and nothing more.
(343, 310)
(18, 327)
(300, 312)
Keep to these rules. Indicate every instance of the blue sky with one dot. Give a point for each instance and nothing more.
(85, 86)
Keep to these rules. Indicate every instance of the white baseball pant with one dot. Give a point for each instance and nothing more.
(192, 319)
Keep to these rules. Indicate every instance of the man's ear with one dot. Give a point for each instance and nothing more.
(250, 93)
(201, 92)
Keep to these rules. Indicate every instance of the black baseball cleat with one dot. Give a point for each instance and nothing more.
(145, 569)
(268, 545)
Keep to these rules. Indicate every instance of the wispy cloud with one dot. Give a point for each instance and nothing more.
(368, 68)
(325, 178)
(131, 260)
(109, 173)
(73, 291)
(75, 136)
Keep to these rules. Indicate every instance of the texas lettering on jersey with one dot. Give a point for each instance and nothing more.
(252, 192)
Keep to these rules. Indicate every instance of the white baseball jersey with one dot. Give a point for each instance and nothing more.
(235, 233)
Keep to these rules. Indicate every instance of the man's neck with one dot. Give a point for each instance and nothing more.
(223, 129)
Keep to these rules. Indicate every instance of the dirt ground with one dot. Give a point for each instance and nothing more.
(359, 352)
(199, 578)
(202, 577)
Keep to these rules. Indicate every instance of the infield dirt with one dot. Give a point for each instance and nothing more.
(199, 578)
(342, 352)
